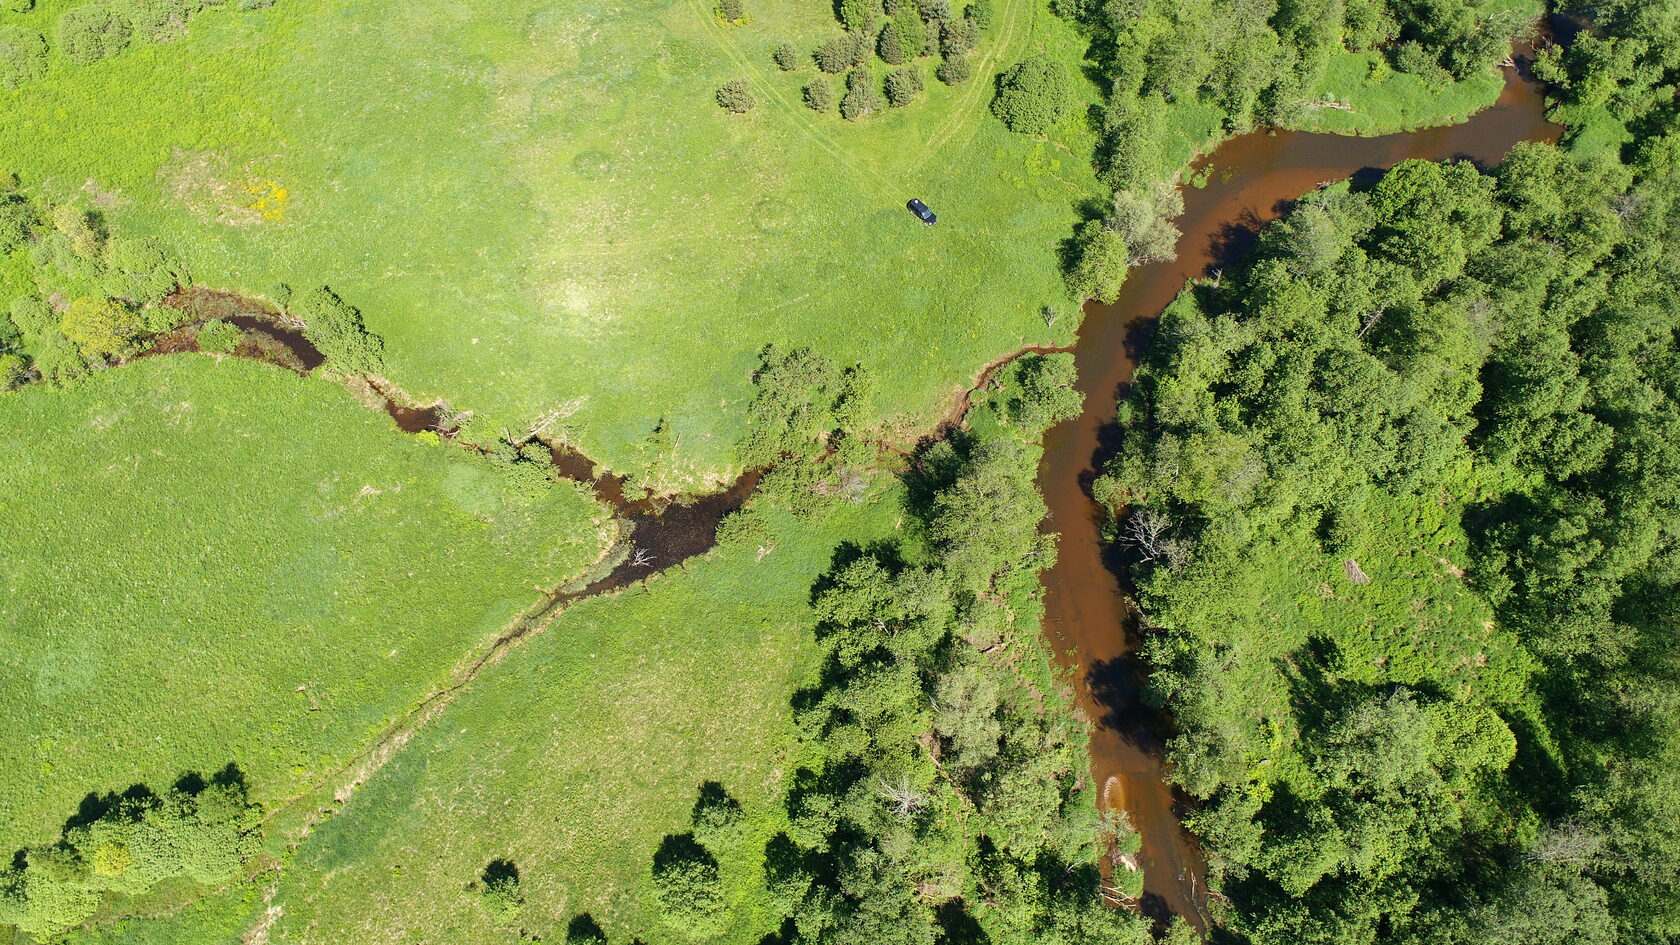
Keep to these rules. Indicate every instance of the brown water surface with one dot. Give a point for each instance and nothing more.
(1089, 620)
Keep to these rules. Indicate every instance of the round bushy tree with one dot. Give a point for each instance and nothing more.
(92, 32)
(786, 57)
(736, 97)
(1033, 95)
(23, 56)
(902, 87)
(953, 70)
(912, 34)
(688, 888)
(980, 11)
(957, 37)
(861, 97)
(819, 95)
(934, 11)
(732, 11)
(101, 327)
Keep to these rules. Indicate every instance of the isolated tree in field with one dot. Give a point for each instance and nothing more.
(499, 886)
(819, 95)
(336, 329)
(736, 97)
(716, 815)
(92, 32)
(732, 12)
(102, 327)
(953, 70)
(786, 57)
(687, 886)
(23, 56)
(902, 87)
(1033, 95)
(861, 98)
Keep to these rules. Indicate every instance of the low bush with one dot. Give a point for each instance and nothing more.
(17, 219)
(736, 97)
(980, 12)
(856, 15)
(23, 56)
(837, 55)
(218, 337)
(91, 32)
(336, 330)
(733, 12)
(102, 327)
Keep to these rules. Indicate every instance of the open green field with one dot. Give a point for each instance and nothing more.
(218, 561)
(577, 752)
(544, 203)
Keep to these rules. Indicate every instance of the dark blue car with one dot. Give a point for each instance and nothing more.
(922, 212)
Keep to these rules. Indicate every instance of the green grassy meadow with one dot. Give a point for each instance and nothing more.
(546, 204)
(212, 561)
(578, 752)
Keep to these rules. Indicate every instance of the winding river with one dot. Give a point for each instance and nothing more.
(1090, 621)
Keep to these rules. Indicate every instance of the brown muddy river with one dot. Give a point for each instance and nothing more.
(1089, 619)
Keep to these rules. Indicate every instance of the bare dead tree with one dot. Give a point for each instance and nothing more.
(905, 800)
(1148, 531)
(1370, 322)
(1566, 842)
(641, 558)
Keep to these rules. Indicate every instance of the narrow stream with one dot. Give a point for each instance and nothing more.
(1089, 619)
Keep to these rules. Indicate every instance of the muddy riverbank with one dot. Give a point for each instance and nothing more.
(1090, 620)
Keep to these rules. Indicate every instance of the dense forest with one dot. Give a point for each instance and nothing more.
(1401, 501)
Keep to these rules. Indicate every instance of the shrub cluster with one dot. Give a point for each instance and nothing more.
(336, 330)
(196, 832)
(861, 97)
(23, 56)
(1033, 95)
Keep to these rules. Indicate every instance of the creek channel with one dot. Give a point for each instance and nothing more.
(1090, 620)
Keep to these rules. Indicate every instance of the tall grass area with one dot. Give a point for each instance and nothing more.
(213, 561)
(542, 202)
(575, 754)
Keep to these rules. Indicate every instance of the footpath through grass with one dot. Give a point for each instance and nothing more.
(218, 561)
(542, 201)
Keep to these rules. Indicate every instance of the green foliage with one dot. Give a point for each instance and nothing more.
(92, 31)
(23, 56)
(862, 99)
(498, 887)
(17, 221)
(200, 833)
(980, 12)
(819, 94)
(786, 57)
(1046, 394)
(1099, 266)
(903, 86)
(219, 337)
(1389, 524)
(102, 327)
(856, 15)
(736, 96)
(733, 12)
(953, 70)
(686, 884)
(337, 331)
(1033, 95)
(838, 54)
(891, 46)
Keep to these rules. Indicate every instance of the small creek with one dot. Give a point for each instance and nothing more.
(1090, 621)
